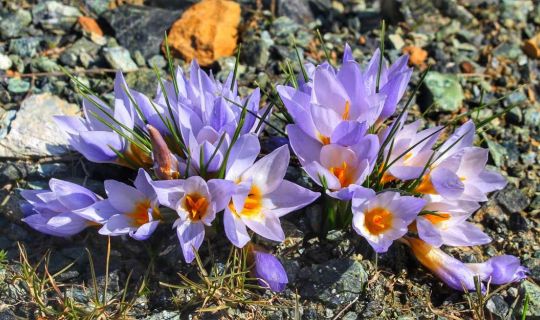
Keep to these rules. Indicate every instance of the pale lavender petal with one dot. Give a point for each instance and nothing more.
(97, 146)
(447, 183)
(71, 195)
(190, 235)
(143, 183)
(306, 148)
(117, 225)
(268, 172)
(145, 231)
(243, 154)
(288, 197)
(500, 270)
(235, 229)
(349, 133)
(122, 197)
(465, 234)
(407, 208)
(169, 192)
(221, 191)
(316, 171)
(428, 232)
(268, 227)
(70, 124)
(99, 212)
(270, 272)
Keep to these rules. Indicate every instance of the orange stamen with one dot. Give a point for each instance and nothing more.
(252, 205)
(345, 115)
(196, 206)
(426, 186)
(343, 174)
(378, 220)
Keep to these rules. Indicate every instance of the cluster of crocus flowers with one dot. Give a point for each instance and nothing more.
(402, 182)
(195, 148)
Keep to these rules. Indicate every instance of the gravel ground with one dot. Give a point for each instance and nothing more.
(478, 51)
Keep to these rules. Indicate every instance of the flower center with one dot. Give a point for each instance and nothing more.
(343, 174)
(139, 215)
(345, 115)
(196, 206)
(253, 204)
(426, 187)
(324, 139)
(378, 220)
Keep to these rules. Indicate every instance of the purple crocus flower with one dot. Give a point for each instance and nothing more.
(95, 140)
(196, 202)
(459, 275)
(260, 195)
(336, 167)
(268, 270)
(384, 217)
(408, 164)
(52, 212)
(208, 113)
(447, 224)
(129, 210)
(462, 177)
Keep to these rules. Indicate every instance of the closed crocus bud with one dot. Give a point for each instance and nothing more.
(165, 163)
(268, 269)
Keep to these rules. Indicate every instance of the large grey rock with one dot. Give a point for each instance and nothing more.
(533, 291)
(335, 282)
(141, 28)
(33, 133)
(297, 10)
(443, 90)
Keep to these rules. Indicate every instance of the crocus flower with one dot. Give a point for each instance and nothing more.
(459, 275)
(447, 224)
(208, 113)
(384, 217)
(260, 196)
(196, 202)
(462, 176)
(267, 269)
(134, 209)
(52, 212)
(408, 164)
(166, 165)
(95, 140)
(336, 167)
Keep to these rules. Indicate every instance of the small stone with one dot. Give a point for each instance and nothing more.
(256, 49)
(119, 58)
(417, 55)
(164, 315)
(466, 67)
(498, 307)
(13, 23)
(532, 117)
(397, 41)
(18, 85)
(157, 61)
(140, 28)
(44, 64)
(143, 80)
(33, 133)
(25, 47)
(297, 10)
(282, 29)
(343, 276)
(90, 25)
(512, 199)
(5, 62)
(55, 16)
(206, 31)
(443, 90)
(533, 292)
(139, 59)
(82, 47)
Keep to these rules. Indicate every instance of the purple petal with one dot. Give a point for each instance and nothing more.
(143, 183)
(465, 234)
(235, 229)
(145, 231)
(221, 191)
(306, 148)
(500, 270)
(270, 271)
(96, 145)
(268, 172)
(243, 154)
(349, 133)
(169, 192)
(99, 212)
(117, 225)
(447, 183)
(122, 197)
(71, 195)
(289, 197)
(190, 235)
(268, 227)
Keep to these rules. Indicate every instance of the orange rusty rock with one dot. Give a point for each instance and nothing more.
(531, 47)
(466, 67)
(417, 55)
(90, 25)
(206, 31)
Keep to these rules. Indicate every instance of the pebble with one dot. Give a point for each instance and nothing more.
(157, 61)
(33, 133)
(512, 199)
(533, 291)
(25, 47)
(5, 62)
(12, 23)
(119, 58)
(55, 16)
(18, 85)
(443, 90)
